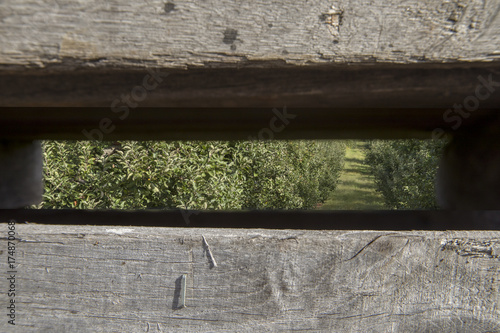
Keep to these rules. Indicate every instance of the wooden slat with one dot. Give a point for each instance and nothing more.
(225, 33)
(376, 86)
(127, 279)
(224, 53)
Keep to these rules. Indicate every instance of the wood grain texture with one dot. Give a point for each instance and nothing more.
(221, 33)
(378, 86)
(224, 53)
(117, 279)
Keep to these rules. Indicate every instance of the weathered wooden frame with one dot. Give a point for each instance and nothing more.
(217, 69)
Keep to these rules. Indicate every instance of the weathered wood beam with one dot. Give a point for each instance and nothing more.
(376, 86)
(362, 54)
(64, 35)
(351, 103)
(127, 279)
(379, 69)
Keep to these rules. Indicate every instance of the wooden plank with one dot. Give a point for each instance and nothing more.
(363, 103)
(376, 86)
(224, 53)
(102, 279)
(226, 33)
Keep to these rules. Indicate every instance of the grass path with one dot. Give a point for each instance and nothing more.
(356, 189)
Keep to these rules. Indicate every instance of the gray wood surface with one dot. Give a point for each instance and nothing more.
(127, 279)
(225, 53)
(227, 33)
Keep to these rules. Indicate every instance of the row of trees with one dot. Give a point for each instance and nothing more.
(230, 175)
(405, 171)
(190, 175)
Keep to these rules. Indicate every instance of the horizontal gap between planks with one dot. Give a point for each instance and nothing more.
(275, 219)
(152, 123)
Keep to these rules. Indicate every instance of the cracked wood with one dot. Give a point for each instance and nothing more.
(101, 279)
(391, 54)
(219, 33)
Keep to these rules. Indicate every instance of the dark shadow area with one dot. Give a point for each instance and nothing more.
(177, 294)
(272, 219)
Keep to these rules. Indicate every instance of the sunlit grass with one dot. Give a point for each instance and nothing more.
(356, 189)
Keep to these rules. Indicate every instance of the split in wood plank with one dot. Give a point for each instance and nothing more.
(101, 279)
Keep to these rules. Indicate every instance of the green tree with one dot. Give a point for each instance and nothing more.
(190, 175)
(405, 171)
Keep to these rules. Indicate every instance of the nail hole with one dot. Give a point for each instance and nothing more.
(169, 7)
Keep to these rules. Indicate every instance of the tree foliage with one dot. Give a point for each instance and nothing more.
(190, 175)
(405, 171)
